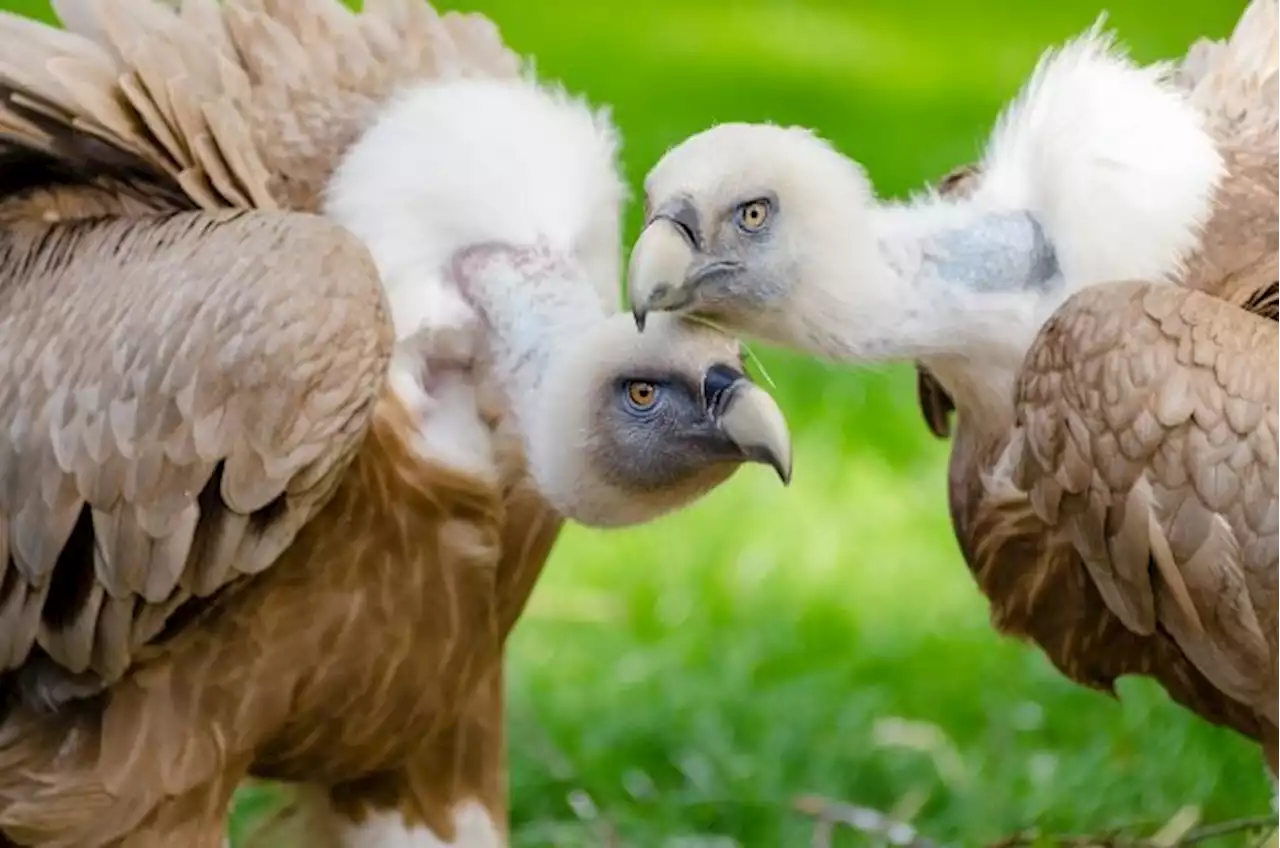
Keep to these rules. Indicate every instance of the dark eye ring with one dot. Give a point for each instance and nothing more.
(641, 395)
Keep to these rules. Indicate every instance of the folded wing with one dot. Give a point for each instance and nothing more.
(181, 393)
(1149, 414)
(224, 104)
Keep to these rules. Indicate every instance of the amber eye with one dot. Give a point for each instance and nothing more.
(753, 215)
(641, 395)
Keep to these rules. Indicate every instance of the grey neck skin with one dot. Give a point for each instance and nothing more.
(1000, 252)
(973, 288)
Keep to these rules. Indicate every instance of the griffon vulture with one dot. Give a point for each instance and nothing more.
(1098, 300)
(305, 355)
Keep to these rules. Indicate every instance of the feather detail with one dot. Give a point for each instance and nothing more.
(132, 486)
(222, 104)
(1163, 352)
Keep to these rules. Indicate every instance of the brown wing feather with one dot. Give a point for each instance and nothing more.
(1150, 416)
(1234, 81)
(180, 394)
(1234, 84)
(935, 404)
(224, 104)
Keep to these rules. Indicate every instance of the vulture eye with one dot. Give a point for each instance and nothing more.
(641, 395)
(752, 215)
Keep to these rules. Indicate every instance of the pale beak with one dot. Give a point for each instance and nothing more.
(667, 262)
(751, 418)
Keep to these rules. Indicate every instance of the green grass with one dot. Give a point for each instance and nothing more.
(682, 682)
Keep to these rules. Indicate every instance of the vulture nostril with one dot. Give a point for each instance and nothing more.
(686, 232)
(682, 215)
(718, 381)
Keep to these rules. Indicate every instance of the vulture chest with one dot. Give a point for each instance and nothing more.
(375, 631)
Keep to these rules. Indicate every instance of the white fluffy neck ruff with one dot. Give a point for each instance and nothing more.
(1113, 165)
(451, 164)
(1112, 160)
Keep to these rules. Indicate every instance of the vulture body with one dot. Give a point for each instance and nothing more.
(1096, 299)
(305, 356)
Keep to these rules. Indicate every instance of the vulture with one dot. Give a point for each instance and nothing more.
(309, 343)
(1096, 298)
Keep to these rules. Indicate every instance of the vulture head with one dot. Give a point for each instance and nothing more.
(1099, 170)
(493, 209)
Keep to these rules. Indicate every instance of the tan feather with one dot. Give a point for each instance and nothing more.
(280, 582)
(218, 541)
(139, 465)
(1192, 376)
(1145, 456)
(225, 101)
(111, 642)
(70, 644)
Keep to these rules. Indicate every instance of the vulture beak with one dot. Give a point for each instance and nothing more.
(750, 418)
(667, 262)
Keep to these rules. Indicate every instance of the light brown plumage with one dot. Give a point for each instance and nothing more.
(230, 399)
(250, 354)
(1146, 449)
(1096, 303)
(223, 104)
(216, 508)
(261, 677)
(1149, 458)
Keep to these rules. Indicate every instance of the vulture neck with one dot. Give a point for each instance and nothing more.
(535, 326)
(962, 290)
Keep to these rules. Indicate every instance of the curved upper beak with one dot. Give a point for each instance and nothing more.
(664, 266)
(751, 418)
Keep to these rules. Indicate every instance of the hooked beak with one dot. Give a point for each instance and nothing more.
(667, 262)
(752, 420)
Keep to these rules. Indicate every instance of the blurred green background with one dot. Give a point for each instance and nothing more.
(678, 685)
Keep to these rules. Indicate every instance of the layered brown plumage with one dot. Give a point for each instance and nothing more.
(1036, 580)
(188, 458)
(250, 359)
(238, 688)
(1139, 533)
(1096, 304)
(230, 543)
